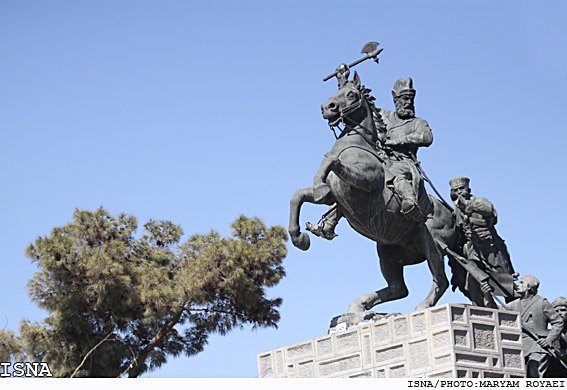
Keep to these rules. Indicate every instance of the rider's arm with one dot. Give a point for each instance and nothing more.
(420, 136)
(554, 319)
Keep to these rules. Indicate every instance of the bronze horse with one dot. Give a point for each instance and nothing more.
(352, 176)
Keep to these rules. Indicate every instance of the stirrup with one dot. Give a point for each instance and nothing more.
(319, 231)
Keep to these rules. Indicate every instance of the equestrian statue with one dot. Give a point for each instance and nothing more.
(371, 177)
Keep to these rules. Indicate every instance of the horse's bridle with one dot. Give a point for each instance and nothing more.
(343, 114)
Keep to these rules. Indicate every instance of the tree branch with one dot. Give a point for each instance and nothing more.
(212, 311)
(130, 365)
(91, 351)
(143, 355)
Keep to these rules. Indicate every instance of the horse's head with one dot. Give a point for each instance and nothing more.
(352, 104)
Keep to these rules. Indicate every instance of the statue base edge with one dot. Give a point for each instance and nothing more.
(447, 341)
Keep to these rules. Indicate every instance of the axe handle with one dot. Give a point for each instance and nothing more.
(369, 55)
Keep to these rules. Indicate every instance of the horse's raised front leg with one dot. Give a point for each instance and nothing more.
(301, 240)
(320, 187)
(425, 242)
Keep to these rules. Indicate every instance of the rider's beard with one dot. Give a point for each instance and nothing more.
(406, 113)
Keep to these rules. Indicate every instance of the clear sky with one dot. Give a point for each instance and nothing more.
(198, 111)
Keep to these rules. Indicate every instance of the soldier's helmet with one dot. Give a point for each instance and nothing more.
(459, 181)
(560, 301)
(403, 87)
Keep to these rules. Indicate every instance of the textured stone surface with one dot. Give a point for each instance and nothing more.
(481, 314)
(418, 324)
(484, 336)
(389, 353)
(324, 346)
(300, 351)
(265, 365)
(347, 341)
(512, 337)
(398, 371)
(442, 374)
(461, 337)
(306, 369)
(458, 314)
(279, 363)
(366, 349)
(400, 327)
(365, 374)
(418, 355)
(438, 316)
(382, 333)
(442, 360)
(336, 366)
(441, 339)
(512, 358)
(447, 341)
(463, 358)
(508, 319)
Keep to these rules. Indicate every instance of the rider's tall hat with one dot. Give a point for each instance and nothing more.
(459, 181)
(403, 87)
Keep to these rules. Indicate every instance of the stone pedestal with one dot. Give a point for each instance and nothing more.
(447, 341)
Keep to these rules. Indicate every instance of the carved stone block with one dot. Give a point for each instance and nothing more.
(448, 341)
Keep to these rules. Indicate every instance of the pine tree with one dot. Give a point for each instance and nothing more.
(121, 304)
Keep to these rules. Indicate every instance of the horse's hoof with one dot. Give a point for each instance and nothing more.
(348, 318)
(363, 303)
(302, 241)
(354, 318)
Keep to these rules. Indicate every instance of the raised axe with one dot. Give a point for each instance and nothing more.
(371, 50)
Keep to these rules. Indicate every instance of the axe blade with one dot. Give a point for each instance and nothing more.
(369, 47)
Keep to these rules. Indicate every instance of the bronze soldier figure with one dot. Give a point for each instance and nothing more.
(556, 370)
(476, 218)
(535, 314)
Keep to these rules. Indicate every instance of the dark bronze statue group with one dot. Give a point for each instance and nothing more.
(371, 177)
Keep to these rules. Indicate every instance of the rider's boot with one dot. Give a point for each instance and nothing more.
(323, 229)
(326, 227)
(410, 208)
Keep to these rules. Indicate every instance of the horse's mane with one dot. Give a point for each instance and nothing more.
(380, 126)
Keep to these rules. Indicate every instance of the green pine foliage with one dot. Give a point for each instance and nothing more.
(9, 347)
(121, 304)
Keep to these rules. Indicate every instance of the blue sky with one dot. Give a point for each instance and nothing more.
(197, 112)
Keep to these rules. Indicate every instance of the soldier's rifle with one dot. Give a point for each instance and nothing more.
(549, 350)
(481, 276)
